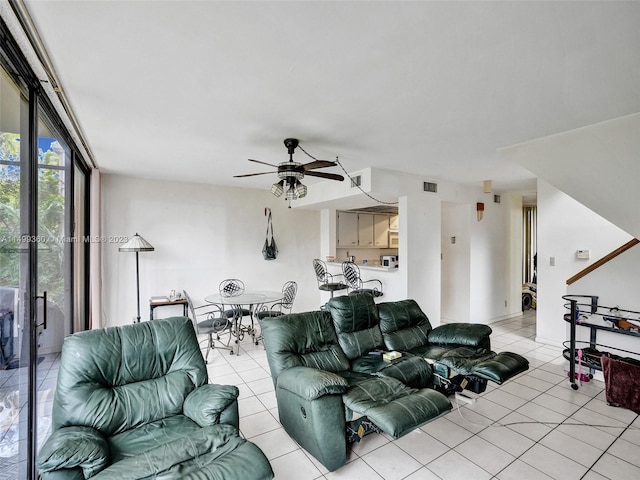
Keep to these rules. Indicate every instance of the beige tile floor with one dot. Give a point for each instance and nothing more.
(533, 427)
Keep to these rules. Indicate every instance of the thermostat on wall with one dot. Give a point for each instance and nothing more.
(583, 254)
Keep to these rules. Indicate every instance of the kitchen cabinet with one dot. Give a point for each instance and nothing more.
(366, 236)
(362, 230)
(381, 231)
(347, 229)
(394, 223)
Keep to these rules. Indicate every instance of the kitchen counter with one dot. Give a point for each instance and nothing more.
(375, 268)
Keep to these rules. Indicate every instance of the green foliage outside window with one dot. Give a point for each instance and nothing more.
(50, 238)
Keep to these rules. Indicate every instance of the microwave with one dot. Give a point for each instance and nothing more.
(390, 261)
(393, 240)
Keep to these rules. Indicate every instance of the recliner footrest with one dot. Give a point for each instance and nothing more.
(501, 367)
(496, 367)
(392, 406)
(357, 429)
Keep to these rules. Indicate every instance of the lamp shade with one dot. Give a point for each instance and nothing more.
(277, 188)
(136, 244)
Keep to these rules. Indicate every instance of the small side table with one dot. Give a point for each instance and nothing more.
(165, 302)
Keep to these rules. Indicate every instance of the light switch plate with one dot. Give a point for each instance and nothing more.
(583, 254)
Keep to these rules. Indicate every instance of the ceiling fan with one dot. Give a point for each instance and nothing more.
(290, 173)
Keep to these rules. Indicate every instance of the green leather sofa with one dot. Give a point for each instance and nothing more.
(133, 402)
(331, 379)
(459, 353)
(321, 398)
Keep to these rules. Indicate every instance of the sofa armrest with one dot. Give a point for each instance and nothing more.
(205, 404)
(311, 383)
(71, 447)
(461, 334)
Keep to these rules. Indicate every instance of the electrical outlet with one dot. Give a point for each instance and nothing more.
(552, 261)
(505, 303)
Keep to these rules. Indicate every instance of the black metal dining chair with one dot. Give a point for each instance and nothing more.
(351, 273)
(326, 281)
(214, 323)
(229, 288)
(284, 306)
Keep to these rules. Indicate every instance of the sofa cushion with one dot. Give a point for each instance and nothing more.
(302, 339)
(138, 440)
(355, 318)
(462, 334)
(192, 456)
(123, 377)
(403, 324)
(411, 370)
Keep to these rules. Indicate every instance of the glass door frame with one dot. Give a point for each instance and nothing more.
(39, 105)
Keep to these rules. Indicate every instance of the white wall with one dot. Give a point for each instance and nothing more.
(597, 165)
(202, 234)
(481, 277)
(456, 261)
(419, 236)
(476, 286)
(565, 226)
(496, 248)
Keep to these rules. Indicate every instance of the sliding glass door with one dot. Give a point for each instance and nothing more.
(15, 281)
(43, 262)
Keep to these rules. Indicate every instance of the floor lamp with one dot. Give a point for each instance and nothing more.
(137, 244)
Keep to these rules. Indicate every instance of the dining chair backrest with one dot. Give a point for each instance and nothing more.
(351, 274)
(289, 291)
(213, 315)
(192, 309)
(231, 287)
(321, 270)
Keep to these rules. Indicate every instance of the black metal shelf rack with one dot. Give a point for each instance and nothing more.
(580, 308)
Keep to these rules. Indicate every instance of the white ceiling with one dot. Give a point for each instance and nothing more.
(189, 90)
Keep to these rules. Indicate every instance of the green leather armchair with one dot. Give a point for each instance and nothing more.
(133, 402)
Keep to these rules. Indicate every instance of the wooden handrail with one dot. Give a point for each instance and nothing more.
(603, 260)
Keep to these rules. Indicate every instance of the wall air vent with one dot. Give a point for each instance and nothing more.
(356, 181)
(496, 199)
(430, 187)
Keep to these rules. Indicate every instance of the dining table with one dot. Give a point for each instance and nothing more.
(251, 300)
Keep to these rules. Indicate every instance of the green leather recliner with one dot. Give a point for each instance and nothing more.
(133, 402)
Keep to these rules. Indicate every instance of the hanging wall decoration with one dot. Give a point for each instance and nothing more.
(270, 249)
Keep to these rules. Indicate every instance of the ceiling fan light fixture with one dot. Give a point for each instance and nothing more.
(277, 189)
(290, 173)
(300, 190)
(291, 193)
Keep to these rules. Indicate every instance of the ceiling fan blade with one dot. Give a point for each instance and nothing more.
(264, 163)
(253, 174)
(319, 164)
(330, 176)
